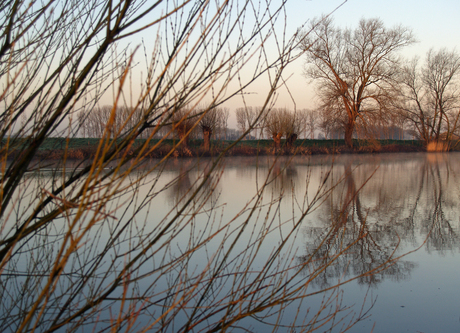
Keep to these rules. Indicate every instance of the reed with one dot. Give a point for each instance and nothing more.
(437, 146)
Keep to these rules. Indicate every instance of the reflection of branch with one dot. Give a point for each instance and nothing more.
(359, 250)
(368, 236)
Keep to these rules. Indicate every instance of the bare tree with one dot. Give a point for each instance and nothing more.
(311, 122)
(93, 122)
(263, 112)
(330, 121)
(354, 68)
(429, 97)
(275, 125)
(210, 121)
(183, 121)
(281, 123)
(295, 124)
(223, 114)
(241, 119)
(245, 118)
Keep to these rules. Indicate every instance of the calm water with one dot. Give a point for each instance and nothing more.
(404, 203)
(394, 216)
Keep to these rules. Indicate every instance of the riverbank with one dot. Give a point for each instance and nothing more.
(84, 148)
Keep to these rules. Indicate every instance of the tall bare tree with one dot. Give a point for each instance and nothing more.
(311, 122)
(245, 118)
(355, 69)
(222, 122)
(430, 96)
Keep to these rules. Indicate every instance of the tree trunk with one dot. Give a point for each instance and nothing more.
(349, 127)
(207, 138)
(277, 140)
(183, 135)
(290, 140)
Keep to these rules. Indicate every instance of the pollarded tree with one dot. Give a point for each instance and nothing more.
(183, 121)
(275, 125)
(355, 69)
(295, 123)
(429, 97)
(281, 123)
(207, 124)
(210, 121)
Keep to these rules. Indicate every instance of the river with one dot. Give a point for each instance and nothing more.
(369, 242)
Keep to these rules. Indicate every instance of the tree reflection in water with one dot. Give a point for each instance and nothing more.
(288, 246)
(189, 173)
(436, 224)
(376, 213)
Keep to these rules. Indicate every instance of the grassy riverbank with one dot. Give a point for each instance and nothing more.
(82, 148)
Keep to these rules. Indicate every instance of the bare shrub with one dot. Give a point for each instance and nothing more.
(83, 244)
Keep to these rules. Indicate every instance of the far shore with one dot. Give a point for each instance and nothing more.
(86, 148)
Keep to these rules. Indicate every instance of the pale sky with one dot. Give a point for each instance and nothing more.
(434, 24)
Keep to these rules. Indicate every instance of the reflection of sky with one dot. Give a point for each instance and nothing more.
(427, 302)
(425, 298)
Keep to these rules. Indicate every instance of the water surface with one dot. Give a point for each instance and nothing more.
(284, 228)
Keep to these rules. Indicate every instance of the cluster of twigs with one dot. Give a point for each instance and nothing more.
(82, 245)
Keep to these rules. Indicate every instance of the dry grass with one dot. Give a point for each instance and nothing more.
(437, 146)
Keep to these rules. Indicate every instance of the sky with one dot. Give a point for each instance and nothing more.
(434, 24)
